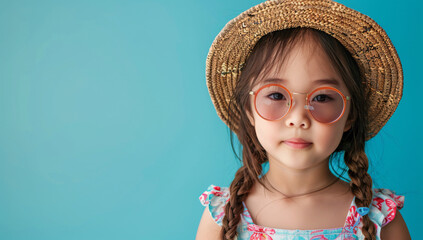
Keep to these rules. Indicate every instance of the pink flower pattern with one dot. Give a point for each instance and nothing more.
(351, 219)
(260, 233)
(387, 204)
(319, 237)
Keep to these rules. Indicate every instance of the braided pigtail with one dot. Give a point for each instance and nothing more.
(239, 189)
(244, 179)
(355, 158)
(361, 186)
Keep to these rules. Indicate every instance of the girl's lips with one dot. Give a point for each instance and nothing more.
(297, 143)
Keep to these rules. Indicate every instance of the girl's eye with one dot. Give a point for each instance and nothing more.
(276, 96)
(322, 98)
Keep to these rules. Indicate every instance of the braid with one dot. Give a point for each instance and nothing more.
(361, 186)
(244, 180)
(239, 189)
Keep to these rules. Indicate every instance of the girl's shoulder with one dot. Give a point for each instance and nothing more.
(384, 205)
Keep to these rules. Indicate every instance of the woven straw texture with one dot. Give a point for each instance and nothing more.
(367, 42)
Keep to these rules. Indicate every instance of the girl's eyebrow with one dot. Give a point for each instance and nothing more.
(329, 81)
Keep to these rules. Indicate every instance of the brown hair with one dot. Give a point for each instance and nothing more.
(276, 45)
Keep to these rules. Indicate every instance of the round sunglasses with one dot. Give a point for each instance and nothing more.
(325, 104)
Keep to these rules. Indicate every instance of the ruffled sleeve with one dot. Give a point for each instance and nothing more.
(215, 198)
(384, 206)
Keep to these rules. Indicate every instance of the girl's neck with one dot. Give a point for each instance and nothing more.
(292, 182)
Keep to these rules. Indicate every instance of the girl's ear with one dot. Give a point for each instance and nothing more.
(348, 124)
(251, 118)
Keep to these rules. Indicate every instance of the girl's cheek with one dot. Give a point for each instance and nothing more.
(268, 134)
(331, 137)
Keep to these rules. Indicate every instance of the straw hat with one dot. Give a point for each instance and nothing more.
(367, 42)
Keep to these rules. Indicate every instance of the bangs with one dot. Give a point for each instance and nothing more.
(271, 51)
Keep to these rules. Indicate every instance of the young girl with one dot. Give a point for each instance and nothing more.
(302, 84)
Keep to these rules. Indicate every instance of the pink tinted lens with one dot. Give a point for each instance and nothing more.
(272, 102)
(326, 105)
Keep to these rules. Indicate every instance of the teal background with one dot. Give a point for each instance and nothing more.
(107, 128)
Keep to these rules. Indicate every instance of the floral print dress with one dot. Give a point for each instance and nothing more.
(382, 211)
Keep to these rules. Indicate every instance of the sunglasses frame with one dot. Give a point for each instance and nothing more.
(291, 101)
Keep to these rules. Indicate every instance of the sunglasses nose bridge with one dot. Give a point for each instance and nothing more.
(306, 106)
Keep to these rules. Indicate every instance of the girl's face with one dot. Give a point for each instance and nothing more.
(304, 66)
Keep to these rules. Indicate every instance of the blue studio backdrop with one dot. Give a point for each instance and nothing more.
(107, 128)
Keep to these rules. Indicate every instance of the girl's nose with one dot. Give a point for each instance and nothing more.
(298, 116)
